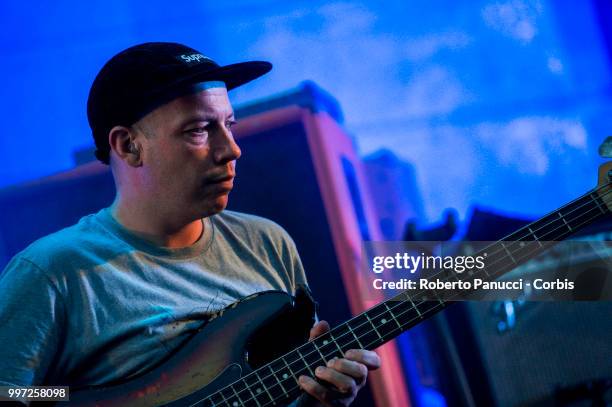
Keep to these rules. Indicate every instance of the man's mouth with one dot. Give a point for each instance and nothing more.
(223, 182)
(221, 179)
(224, 178)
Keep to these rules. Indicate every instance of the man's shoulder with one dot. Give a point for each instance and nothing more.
(261, 241)
(66, 243)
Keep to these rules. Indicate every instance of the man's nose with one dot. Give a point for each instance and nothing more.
(226, 150)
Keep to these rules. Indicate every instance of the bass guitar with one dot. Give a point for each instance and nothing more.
(224, 365)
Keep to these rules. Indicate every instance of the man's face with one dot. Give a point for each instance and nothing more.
(189, 154)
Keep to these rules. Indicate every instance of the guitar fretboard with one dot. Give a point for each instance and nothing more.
(276, 382)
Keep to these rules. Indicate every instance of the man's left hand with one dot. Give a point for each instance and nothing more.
(342, 378)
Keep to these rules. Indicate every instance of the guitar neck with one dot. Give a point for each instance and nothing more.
(276, 381)
(385, 321)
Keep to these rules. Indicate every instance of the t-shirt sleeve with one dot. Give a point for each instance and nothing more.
(297, 269)
(32, 314)
(293, 263)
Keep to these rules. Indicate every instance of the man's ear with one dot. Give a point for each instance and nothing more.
(121, 140)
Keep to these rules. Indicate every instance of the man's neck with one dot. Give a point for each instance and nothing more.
(155, 228)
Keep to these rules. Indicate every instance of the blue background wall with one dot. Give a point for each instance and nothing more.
(497, 103)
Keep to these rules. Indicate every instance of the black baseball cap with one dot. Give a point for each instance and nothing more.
(141, 78)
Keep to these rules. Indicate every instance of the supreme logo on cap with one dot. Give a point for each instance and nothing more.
(193, 59)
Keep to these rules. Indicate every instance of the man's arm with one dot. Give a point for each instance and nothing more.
(31, 316)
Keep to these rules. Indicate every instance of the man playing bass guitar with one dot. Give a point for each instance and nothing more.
(108, 298)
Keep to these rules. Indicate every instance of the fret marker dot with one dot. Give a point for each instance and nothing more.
(235, 404)
(258, 390)
(383, 321)
(522, 244)
(285, 376)
(325, 342)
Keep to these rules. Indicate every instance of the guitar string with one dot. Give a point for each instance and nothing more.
(415, 305)
(428, 311)
(410, 309)
(437, 306)
(401, 303)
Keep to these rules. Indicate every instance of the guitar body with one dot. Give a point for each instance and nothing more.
(236, 340)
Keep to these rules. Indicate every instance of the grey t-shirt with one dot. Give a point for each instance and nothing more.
(93, 303)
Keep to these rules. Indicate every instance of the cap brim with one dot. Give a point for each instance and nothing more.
(233, 75)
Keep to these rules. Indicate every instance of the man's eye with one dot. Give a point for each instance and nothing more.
(198, 131)
(230, 123)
